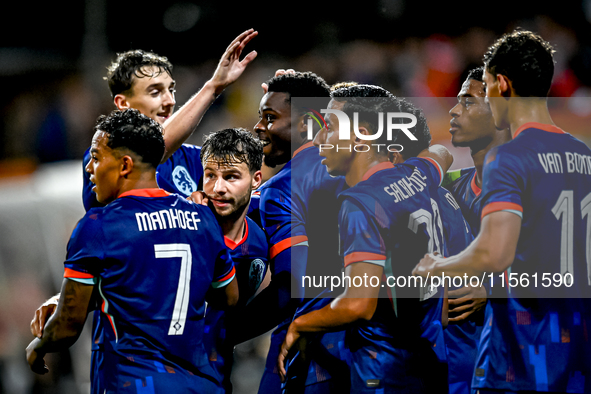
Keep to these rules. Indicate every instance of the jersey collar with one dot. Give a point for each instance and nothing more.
(154, 192)
(475, 189)
(301, 148)
(233, 245)
(541, 126)
(379, 167)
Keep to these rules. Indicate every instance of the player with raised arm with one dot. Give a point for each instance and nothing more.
(472, 125)
(143, 80)
(125, 254)
(536, 210)
(292, 206)
(232, 160)
(390, 213)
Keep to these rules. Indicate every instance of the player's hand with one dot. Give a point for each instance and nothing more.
(35, 360)
(465, 301)
(290, 344)
(230, 67)
(199, 197)
(277, 73)
(427, 265)
(42, 314)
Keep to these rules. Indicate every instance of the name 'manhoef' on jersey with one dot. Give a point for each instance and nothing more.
(250, 257)
(534, 338)
(152, 256)
(298, 207)
(182, 173)
(392, 218)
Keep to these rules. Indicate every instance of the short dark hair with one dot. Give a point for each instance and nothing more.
(129, 129)
(300, 84)
(236, 143)
(133, 64)
(369, 100)
(526, 59)
(476, 74)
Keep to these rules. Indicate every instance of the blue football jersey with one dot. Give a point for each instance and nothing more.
(182, 173)
(152, 256)
(462, 339)
(392, 218)
(462, 185)
(533, 337)
(250, 257)
(298, 207)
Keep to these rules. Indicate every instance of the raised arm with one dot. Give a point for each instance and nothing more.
(184, 121)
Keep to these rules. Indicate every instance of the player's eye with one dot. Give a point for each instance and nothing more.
(269, 117)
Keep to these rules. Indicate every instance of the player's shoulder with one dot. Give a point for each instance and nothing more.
(453, 177)
(255, 231)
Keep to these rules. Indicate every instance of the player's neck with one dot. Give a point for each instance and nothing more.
(479, 153)
(528, 109)
(361, 164)
(144, 180)
(233, 226)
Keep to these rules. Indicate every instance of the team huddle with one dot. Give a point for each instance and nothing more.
(186, 251)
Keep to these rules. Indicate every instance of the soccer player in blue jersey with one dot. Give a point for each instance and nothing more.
(232, 160)
(535, 221)
(144, 81)
(125, 254)
(292, 206)
(472, 125)
(390, 213)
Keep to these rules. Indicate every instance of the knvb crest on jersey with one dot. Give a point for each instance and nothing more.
(256, 273)
(183, 181)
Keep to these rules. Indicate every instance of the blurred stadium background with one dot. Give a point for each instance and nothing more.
(53, 57)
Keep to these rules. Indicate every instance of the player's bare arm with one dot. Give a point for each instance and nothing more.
(184, 121)
(354, 304)
(64, 326)
(493, 250)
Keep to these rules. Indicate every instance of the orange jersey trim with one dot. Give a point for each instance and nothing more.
(378, 167)
(546, 127)
(301, 148)
(286, 244)
(474, 186)
(228, 275)
(501, 206)
(155, 192)
(70, 273)
(357, 257)
(233, 245)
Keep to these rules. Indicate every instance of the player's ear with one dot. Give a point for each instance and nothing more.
(257, 179)
(126, 166)
(396, 157)
(121, 102)
(505, 86)
(362, 130)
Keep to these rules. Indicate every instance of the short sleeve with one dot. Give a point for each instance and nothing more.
(503, 183)
(85, 249)
(277, 219)
(224, 270)
(359, 236)
(429, 167)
